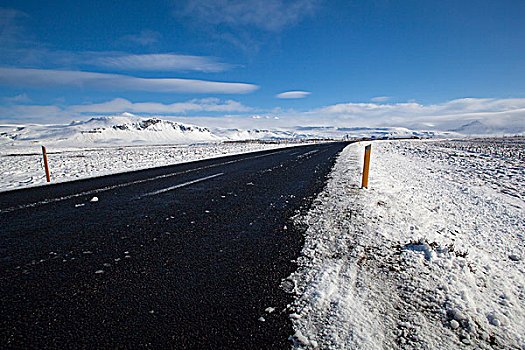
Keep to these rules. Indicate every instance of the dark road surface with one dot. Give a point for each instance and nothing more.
(185, 256)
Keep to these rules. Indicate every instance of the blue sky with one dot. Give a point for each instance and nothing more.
(411, 63)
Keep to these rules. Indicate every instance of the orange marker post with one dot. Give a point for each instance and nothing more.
(46, 166)
(366, 166)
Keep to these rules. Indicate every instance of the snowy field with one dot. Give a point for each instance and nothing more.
(23, 167)
(431, 256)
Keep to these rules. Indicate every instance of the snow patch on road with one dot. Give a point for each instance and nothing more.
(422, 259)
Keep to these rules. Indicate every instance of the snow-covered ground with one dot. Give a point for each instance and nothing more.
(431, 256)
(109, 144)
(22, 167)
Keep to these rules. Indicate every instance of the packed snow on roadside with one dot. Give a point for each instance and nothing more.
(430, 256)
(24, 167)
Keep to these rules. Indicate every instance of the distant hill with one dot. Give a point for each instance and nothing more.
(477, 128)
(474, 128)
(125, 129)
(377, 133)
(128, 129)
(260, 134)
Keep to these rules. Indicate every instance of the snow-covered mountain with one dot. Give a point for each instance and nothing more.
(374, 133)
(259, 134)
(125, 129)
(128, 129)
(475, 128)
(327, 132)
(478, 128)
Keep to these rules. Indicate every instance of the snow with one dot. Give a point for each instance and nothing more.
(115, 130)
(294, 133)
(424, 258)
(106, 145)
(127, 129)
(66, 164)
(429, 256)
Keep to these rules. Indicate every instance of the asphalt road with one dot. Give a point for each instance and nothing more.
(185, 256)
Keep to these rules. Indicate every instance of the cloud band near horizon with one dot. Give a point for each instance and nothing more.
(120, 105)
(506, 115)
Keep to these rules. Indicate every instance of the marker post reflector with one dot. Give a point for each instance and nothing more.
(46, 166)
(366, 166)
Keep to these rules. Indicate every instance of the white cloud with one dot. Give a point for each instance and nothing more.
(293, 94)
(267, 117)
(461, 106)
(145, 37)
(119, 105)
(33, 113)
(79, 79)
(162, 62)
(13, 113)
(21, 98)
(501, 113)
(271, 15)
(380, 99)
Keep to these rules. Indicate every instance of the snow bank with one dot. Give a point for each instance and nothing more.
(430, 256)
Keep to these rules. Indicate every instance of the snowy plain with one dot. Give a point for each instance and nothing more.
(23, 167)
(430, 256)
(105, 145)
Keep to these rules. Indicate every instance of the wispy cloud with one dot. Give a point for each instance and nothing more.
(32, 113)
(11, 30)
(115, 60)
(120, 105)
(80, 79)
(21, 98)
(18, 51)
(33, 57)
(293, 94)
(161, 62)
(380, 99)
(146, 37)
(242, 39)
(271, 15)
